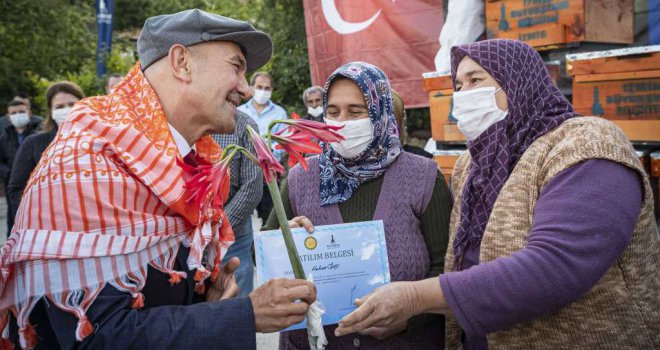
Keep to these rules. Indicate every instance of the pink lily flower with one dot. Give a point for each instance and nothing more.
(320, 131)
(208, 184)
(267, 162)
(296, 144)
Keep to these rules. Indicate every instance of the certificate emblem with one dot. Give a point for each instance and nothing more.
(310, 243)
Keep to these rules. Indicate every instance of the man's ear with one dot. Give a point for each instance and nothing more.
(180, 59)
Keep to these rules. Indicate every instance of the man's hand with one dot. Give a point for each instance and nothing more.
(225, 286)
(301, 221)
(281, 303)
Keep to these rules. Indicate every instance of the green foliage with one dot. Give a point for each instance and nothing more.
(44, 38)
(131, 14)
(50, 40)
(285, 22)
(85, 77)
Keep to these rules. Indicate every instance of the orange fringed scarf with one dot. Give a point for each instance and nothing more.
(107, 199)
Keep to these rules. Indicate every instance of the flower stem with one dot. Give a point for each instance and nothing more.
(298, 270)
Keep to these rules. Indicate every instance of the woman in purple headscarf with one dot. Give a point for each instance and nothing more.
(553, 241)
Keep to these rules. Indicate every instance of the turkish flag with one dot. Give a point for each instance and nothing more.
(400, 37)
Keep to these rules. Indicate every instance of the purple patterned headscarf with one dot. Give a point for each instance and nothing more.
(536, 106)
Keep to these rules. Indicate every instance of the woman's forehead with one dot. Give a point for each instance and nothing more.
(345, 89)
(468, 66)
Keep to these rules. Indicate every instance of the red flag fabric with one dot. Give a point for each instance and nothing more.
(400, 37)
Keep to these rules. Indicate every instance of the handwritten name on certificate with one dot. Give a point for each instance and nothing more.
(346, 261)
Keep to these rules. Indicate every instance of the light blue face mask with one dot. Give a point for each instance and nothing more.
(19, 120)
(262, 96)
(357, 137)
(476, 110)
(60, 114)
(315, 111)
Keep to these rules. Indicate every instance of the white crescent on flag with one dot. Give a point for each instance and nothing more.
(339, 24)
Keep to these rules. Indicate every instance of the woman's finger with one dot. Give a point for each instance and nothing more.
(356, 320)
(302, 221)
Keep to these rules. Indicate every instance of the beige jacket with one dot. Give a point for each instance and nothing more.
(622, 311)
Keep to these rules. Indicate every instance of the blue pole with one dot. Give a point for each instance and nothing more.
(104, 12)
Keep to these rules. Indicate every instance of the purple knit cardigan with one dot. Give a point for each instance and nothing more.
(404, 196)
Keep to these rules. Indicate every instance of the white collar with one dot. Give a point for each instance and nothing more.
(180, 141)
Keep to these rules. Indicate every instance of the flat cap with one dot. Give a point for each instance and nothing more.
(195, 26)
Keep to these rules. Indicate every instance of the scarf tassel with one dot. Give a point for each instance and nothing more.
(200, 288)
(132, 283)
(84, 328)
(27, 336)
(176, 277)
(5, 344)
(216, 273)
(199, 275)
(77, 302)
(138, 301)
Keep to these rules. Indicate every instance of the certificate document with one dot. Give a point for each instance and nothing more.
(346, 261)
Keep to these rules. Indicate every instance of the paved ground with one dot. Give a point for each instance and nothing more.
(267, 341)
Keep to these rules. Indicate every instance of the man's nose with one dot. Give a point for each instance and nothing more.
(244, 89)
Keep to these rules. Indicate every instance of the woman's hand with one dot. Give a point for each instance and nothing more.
(225, 286)
(301, 221)
(382, 313)
(386, 310)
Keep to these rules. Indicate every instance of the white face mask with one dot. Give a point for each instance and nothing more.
(262, 96)
(357, 136)
(476, 110)
(19, 120)
(315, 111)
(60, 114)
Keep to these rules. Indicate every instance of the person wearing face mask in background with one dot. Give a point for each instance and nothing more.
(366, 177)
(60, 98)
(313, 99)
(20, 127)
(263, 111)
(553, 241)
(25, 98)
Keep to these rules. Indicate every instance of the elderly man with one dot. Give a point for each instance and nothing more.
(313, 99)
(108, 252)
